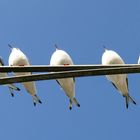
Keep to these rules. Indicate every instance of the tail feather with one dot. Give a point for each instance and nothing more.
(70, 105)
(13, 87)
(132, 100)
(76, 102)
(11, 92)
(73, 101)
(36, 99)
(127, 99)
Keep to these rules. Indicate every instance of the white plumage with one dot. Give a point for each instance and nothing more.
(18, 58)
(11, 86)
(60, 57)
(120, 81)
(139, 60)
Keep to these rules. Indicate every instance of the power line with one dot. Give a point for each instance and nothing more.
(48, 68)
(74, 73)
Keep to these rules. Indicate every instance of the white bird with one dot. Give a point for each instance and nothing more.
(119, 81)
(60, 57)
(18, 58)
(139, 60)
(11, 86)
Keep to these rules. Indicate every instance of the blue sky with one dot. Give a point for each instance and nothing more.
(79, 27)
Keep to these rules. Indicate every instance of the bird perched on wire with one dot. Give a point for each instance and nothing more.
(119, 81)
(18, 58)
(139, 60)
(11, 86)
(60, 57)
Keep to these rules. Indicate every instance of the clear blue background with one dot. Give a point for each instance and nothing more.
(79, 27)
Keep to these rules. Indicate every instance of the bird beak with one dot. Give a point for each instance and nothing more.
(10, 46)
(104, 47)
(56, 47)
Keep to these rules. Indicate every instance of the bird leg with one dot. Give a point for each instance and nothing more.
(70, 106)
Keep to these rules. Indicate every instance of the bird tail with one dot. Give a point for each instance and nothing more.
(129, 98)
(36, 99)
(73, 101)
(13, 87)
(76, 102)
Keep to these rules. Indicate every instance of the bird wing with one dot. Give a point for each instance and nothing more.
(60, 84)
(1, 61)
(114, 85)
(2, 64)
(127, 82)
(74, 80)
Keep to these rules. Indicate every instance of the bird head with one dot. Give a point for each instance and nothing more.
(10, 46)
(13, 48)
(105, 49)
(56, 47)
